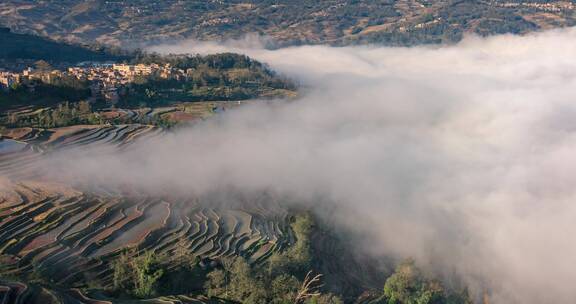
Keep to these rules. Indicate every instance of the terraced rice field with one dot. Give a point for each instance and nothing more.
(178, 112)
(71, 236)
(19, 164)
(19, 293)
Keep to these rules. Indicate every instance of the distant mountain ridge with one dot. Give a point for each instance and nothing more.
(287, 22)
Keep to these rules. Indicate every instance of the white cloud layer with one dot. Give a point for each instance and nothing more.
(463, 157)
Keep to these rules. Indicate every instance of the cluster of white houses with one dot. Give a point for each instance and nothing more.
(106, 80)
(547, 6)
(8, 80)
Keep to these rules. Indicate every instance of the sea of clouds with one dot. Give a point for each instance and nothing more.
(462, 157)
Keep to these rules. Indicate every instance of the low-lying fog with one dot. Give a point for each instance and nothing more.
(463, 157)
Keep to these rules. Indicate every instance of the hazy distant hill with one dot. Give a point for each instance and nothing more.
(402, 22)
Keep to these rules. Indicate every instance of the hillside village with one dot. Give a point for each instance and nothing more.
(106, 80)
(149, 89)
(559, 6)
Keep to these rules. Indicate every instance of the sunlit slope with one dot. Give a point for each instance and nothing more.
(286, 22)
